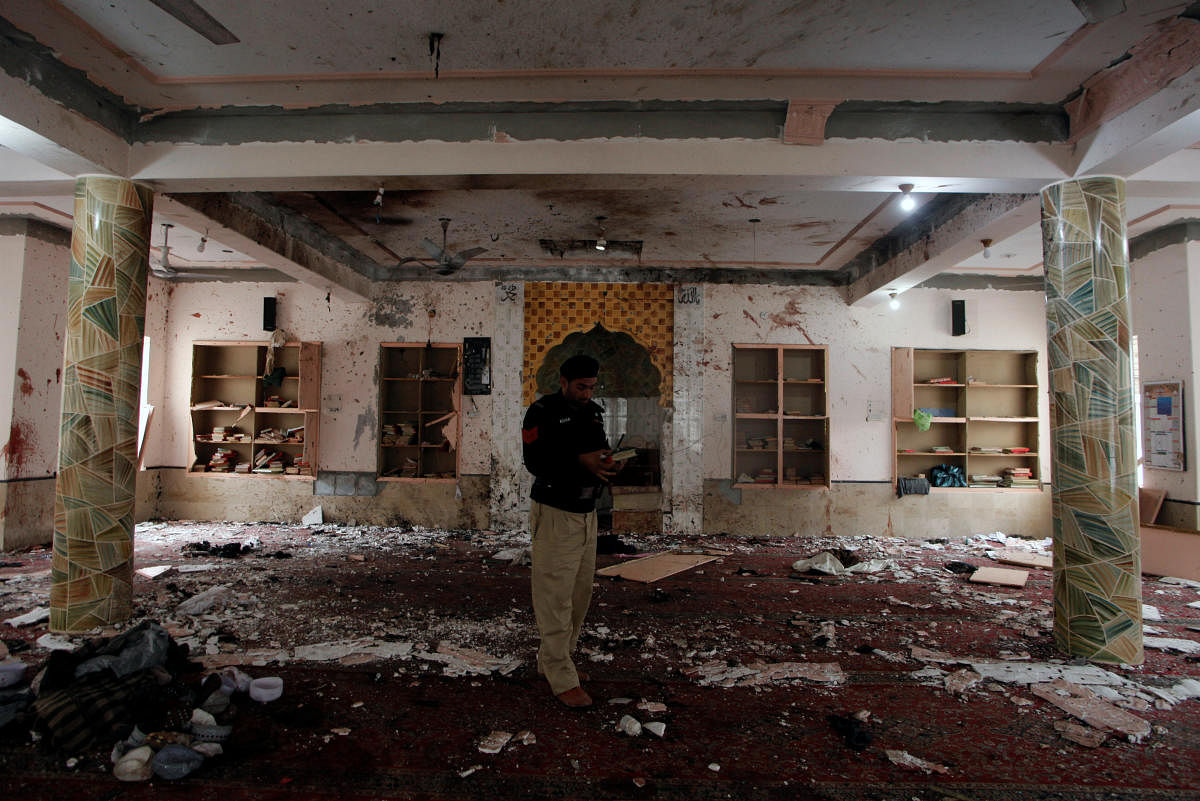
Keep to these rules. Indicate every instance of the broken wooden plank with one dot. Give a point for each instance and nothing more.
(1000, 575)
(659, 565)
(1018, 556)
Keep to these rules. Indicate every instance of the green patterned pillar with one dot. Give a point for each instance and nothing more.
(1097, 553)
(92, 574)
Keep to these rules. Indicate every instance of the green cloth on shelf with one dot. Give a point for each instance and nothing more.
(922, 419)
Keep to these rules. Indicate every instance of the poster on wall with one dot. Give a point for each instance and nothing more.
(1162, 424)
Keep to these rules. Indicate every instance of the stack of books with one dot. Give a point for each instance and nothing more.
(271, 435)
(1016, 450)
(1018, 477)
(765, 476)
(268, 462)
(399, 433)
(942, 380)
(242, 467)
(221, 461)
(941, 449)
(983, 480)
(980, 449)
(756, 443)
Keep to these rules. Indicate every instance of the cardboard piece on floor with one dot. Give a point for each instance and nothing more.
(1150, 501)
(659, 565)
(1000, 575)
(1170, 551)
(1017, 556)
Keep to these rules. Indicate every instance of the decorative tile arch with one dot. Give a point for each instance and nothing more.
(556, 310)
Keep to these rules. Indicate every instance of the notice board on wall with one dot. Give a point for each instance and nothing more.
(477, 366)
(1162, 424)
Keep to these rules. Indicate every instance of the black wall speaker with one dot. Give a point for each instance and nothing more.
(958, 317)
(269, 314)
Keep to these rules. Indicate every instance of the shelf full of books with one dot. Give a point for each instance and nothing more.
(255, 408)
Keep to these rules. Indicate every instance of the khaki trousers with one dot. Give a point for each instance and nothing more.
(564, 561)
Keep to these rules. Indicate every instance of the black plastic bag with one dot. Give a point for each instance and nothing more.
(947, 475)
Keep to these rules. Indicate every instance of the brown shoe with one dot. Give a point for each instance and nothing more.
(575, 697)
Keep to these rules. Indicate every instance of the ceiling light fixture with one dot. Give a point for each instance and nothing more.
(987, 248)
(601, 243)
(907, 201)
(893, 301)
(203, 243)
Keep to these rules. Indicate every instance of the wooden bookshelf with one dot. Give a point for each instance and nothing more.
(780, 417)
(984, 404)
(420, 395)
(272, 430)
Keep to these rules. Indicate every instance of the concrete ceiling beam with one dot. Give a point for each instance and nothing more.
(54, 136)
(271, 237)
(1157, 127)
(869, 165)
(944, 246)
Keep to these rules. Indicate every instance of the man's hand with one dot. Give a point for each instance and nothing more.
(600, 464)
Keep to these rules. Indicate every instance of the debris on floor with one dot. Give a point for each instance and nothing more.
(442, 620)
(494, 742)
(1085, 705)
(905, 759)
(656, 566)
(1000, 575)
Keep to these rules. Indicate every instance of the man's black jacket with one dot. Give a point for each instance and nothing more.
(554, 434)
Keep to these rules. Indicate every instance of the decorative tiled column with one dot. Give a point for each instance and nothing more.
(1097, 556)
(92, 570)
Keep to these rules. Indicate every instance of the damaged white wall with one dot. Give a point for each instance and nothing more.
(351, 335)
(1165, 298)
(859, 340)
(34, 258)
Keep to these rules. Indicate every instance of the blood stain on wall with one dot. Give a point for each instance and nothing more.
(20, 446)
(26, 382)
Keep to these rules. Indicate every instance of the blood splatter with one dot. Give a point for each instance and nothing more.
(20, 446)
(26, 381)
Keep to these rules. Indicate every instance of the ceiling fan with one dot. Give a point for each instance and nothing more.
(443, 263)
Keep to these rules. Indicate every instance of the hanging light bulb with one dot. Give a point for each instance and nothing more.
(893, 301)
(907, 201)
(987, 248)
(203, 243)
(601, 243)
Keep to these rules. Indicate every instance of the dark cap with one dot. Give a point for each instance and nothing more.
(579, 366)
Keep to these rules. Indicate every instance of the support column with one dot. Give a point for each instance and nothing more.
(92, 573)
(1097, 553)
(508, 504)
(683, 484)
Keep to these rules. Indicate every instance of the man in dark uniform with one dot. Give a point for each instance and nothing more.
(566, 450)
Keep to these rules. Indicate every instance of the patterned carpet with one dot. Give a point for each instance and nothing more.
(402, 730)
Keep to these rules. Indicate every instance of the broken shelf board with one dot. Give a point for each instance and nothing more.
(1000, 575)
(659, 565)
(1017, 556)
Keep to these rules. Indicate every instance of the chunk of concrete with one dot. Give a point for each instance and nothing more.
(494, 742)
(315, 517)
(1085, 705)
